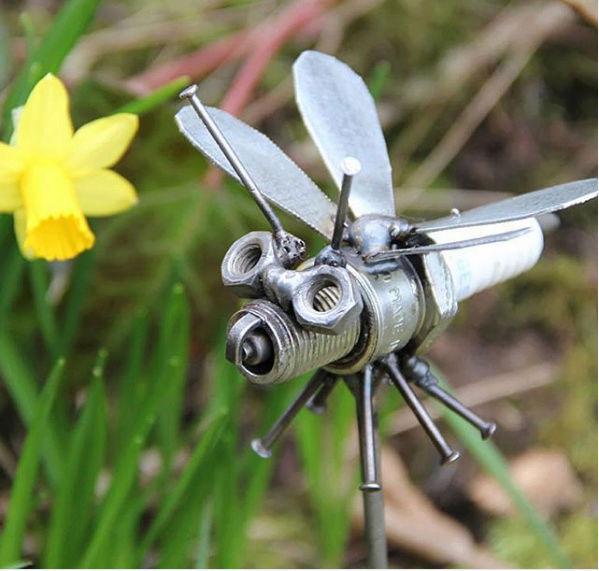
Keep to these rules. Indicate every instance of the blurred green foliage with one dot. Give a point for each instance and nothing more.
(143, 446)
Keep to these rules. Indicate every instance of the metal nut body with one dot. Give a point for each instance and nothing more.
(404, 301)
(301, 289)
(244, 262)
(393, 311)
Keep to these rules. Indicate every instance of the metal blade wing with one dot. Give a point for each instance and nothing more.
(279, 179)
(341, 117)
(524, 206)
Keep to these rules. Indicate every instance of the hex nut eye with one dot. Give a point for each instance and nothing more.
(324, 295)
(243, 263)
(328, 301)
(247, 258)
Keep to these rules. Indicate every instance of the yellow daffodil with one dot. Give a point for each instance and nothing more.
(50, 177)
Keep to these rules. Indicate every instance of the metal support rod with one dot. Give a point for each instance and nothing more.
(318, 402)
(367, 433)
(374, 529)
(190, 93)
(447, 454)
(418, 371)
(350, 167)
(372, 492)
(263, 446)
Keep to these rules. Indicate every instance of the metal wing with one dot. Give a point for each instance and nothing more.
(524, 206)
(341, 117)
(280, 180)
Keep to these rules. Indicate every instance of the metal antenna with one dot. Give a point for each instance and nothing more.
(350, 167)
(293, 248)
(331, 255)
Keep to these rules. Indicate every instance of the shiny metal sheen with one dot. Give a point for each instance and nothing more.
(296, 350)
(341, 117)
(526, 205)
(393, 310)
(280, 180)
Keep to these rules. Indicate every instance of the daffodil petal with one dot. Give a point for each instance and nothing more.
(11, 163)
(56, 228)
(101, 143)
(45, 126)
(20, 221)
(104, 192)
(10, 197)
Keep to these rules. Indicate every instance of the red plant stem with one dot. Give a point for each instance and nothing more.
(285, 26)
(197, 64)
(299, 14)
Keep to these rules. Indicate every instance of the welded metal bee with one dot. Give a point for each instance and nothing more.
(373, 300)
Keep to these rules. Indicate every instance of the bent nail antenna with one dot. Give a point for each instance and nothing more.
(190, 93)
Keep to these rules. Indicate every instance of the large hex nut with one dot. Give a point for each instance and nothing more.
(244, 262)
(328, 300)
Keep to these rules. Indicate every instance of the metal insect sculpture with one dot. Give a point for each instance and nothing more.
(370, 304)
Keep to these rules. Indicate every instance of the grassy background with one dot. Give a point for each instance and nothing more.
(133, 451)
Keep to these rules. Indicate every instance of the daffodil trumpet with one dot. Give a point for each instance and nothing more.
(52, 177)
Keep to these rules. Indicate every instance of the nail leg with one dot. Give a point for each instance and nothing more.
(318, 402)
(263, 446)
(372, 493)
(392, 368)
(367, 432)
(418, 370)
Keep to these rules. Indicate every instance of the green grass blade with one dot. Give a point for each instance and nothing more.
(330, 484)
(227, 500)
(12, 271)
(179, 539)
(194, 468)
(173, 350)
(27, 470)
(5, 59)
(258, 470)
(84, 460)
(493, 462)
(38, 271)
(123, 480)
(227, 497)
(70, 23)
(203, 550)
(379, 78)
(156, 98)
(126, 468)
(133, 385)
(23, 389)
(75, 299)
